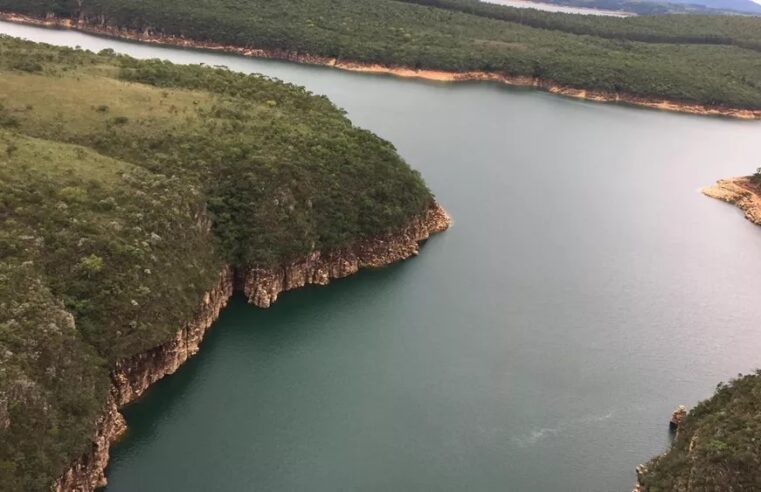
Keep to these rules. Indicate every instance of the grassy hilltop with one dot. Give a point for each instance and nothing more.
(712, 60)
(111, 170)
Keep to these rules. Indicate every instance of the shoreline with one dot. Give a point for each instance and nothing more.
(131, 377)
(739, 192)
(405, 72)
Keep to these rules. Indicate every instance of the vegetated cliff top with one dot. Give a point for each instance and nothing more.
(713, 60)
(718, 446)
(125, 186)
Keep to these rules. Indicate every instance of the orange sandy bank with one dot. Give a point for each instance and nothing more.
(436, 75)
(741, 192)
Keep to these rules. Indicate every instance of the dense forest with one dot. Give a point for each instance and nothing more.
(718, 446)
(124, 187)
(712, 60)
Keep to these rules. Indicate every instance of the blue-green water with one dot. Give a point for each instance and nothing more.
(585, 289)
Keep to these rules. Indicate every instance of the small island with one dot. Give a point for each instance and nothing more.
(135, 197)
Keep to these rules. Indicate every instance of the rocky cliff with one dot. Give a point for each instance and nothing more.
(131, 377)
(262, 286)
(738, 191)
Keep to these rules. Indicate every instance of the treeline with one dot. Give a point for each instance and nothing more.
(691, 59)
(125, 186)
(742, 31)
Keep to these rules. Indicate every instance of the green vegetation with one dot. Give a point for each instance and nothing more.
(124, 187)
(718, 447)
(713, 60)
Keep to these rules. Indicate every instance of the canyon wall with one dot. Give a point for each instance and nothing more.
(132, 377)
(262, 286)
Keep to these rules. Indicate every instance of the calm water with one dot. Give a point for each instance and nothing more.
(551, 7)
(585, 289)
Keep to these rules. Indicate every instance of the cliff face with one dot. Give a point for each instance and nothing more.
(98, 25)
(262, 286)
(740, 192)
(131, 377)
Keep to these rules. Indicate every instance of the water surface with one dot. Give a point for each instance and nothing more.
(585, 289)
(552, 7)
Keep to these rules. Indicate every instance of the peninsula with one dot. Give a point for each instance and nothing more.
(135, 196)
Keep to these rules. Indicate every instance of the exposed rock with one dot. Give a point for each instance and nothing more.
(738, 191)
(87, 472)
(677, 417)
(131, 377)
(641, 470)
(262, 286)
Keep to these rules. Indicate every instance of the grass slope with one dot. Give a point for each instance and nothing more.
(124, 187)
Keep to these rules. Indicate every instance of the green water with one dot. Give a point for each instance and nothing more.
(585, 289)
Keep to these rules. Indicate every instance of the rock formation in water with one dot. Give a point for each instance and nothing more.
(677, 417)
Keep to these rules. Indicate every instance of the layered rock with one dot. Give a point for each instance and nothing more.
(98, 25)
(262, 286)
(740, 192)
(131, 377)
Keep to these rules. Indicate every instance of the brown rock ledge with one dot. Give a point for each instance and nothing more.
(131, 377)
(740, 192)
(262, 286)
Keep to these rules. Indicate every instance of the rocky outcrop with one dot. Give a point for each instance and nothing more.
(675, 422)
(87, 472)
(677, 417)
(262, 286)
(741, 192)
(100, 27)
(131, 377)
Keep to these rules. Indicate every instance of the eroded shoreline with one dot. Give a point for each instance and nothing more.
(405, 72)
(131, 377)
(740, 192)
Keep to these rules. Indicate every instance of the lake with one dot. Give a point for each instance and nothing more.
(552, 7)
(585, 289)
